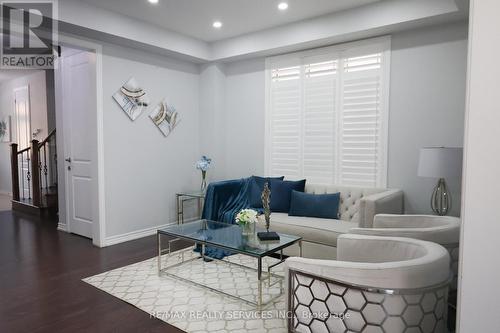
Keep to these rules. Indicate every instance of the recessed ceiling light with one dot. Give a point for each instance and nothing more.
(217, 24)
(154, 2)
(283, 6)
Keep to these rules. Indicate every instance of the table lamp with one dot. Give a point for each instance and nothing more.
(441, 163)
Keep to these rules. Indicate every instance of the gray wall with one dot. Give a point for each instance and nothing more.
(213, 119)
(245, 103)
(427, 106)
(427, 97)
(143, 169)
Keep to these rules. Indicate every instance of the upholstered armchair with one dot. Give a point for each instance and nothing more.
(444, 230)
(377, 284)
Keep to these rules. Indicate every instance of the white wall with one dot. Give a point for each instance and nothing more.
(478, 304)
(143, 169)
(426, 108)
(38, 99)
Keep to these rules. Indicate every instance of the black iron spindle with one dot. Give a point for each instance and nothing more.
(22, 174)
(45, 169)
(55, 165)
(40, 170)
(28, 174)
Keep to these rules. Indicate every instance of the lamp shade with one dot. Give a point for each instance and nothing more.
(440, 162)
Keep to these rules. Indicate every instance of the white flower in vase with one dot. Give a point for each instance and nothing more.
(246, 219)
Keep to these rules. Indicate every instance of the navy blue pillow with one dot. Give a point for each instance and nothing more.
(256, 188)
(281, 192)
(315, 205)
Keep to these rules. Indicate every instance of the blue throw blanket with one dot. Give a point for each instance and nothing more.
(223, 201)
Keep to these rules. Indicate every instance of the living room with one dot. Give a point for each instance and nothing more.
(172, 114)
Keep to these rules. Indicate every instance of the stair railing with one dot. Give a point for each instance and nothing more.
(34, 169)
(48, 163)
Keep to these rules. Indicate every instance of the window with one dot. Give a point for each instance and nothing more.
(327, 112)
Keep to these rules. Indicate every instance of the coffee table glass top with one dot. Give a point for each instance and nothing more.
(228, 236)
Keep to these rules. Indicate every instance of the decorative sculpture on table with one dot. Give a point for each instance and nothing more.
(131, 98)
(165, 117)
(266, 201)
(203, 164)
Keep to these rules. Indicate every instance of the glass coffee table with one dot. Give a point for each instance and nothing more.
(229, 237)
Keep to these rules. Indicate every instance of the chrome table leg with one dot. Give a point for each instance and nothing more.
(158, 243)
(259, 278)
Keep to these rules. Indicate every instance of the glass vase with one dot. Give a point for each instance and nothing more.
(203, 181)
(247, 229)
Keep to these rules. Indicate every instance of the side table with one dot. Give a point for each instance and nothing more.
(182, 197)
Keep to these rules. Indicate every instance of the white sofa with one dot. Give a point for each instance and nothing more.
(358, 206)
(390, 283)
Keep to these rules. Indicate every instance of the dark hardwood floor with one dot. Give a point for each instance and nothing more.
(40, 280)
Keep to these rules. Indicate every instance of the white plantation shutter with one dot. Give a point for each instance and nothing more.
(285, 122)
(319, 123)
(361, 143)
(327, 114)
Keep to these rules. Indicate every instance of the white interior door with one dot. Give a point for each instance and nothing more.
(79, 109)
(23, 135)
(23, 116)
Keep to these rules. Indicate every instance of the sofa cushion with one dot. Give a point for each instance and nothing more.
(350, 198)
(256, 188)
(281, 192)
(311, 229)
(315, 205)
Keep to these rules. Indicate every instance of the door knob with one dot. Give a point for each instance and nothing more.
(68, 159)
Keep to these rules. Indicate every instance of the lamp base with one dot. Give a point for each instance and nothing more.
(441, 198)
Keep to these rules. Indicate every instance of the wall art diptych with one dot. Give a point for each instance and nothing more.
(165, 117)
(131, 98)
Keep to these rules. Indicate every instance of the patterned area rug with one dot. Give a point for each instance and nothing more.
(194, 308)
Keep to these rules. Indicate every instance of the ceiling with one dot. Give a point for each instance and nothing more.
(195, 17)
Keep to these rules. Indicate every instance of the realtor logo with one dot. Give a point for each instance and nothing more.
(28, 34)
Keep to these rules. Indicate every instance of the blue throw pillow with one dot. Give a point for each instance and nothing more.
(256, 188)
(315, 205)
(281, 192)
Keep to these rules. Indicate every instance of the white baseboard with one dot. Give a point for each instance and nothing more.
(112, 240)
(62, 227)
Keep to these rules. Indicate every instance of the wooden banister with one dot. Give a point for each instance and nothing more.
(35, 172)
(51, 134)
(14, 171)
(23, 150)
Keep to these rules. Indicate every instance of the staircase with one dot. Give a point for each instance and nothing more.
(34, 176)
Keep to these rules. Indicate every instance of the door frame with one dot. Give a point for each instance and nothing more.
(99, 224)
